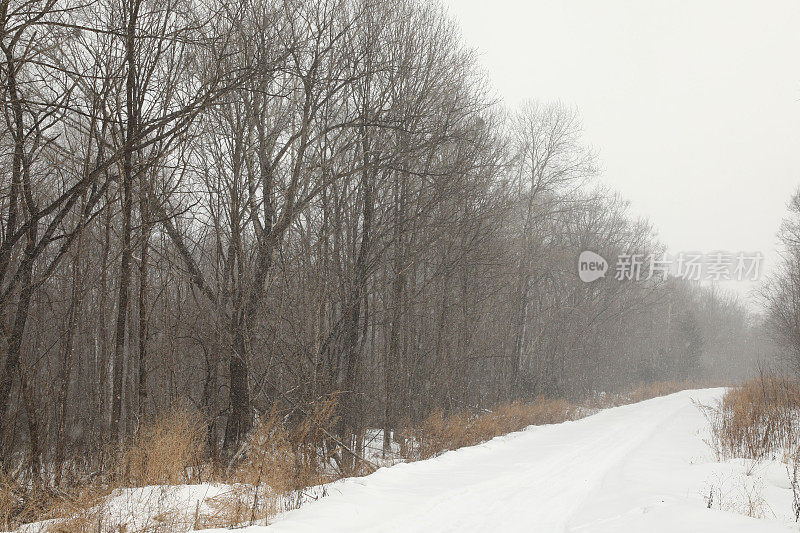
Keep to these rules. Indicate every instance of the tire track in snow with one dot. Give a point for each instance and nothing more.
(539, 479)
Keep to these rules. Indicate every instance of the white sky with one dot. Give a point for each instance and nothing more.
(693, 105)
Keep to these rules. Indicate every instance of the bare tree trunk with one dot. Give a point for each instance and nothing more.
(240, 418)
(103, 391)
(67, 359)
(210, 401)
(21, 187)
(16, 336)
(393, 382)
(143, 325)
(33, 429)
(348, 429)
(127, 209)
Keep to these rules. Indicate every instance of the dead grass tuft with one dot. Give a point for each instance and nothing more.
(439, 433)
(168, 452)
(757, 420)
(278, 460)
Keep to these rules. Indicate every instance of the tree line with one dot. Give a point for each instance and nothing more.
(236, 205)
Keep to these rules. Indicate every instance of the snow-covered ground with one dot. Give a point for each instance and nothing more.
(637, 468)
(641, 467)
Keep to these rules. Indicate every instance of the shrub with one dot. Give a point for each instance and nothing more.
(167, 452)
(756, 420)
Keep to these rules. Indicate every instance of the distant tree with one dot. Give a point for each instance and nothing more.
(690, 345)
(781, 292)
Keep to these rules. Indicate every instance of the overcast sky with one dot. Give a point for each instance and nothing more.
(693, 106)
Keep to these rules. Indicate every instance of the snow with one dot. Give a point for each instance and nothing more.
(144, 508)
(640, 467)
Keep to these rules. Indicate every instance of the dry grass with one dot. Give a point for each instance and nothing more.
(738, 494)
(278, 460)
(18, 505)
(757, 420)
(290, 456)
(643, 392)
(439, 433)
(287, 452)
(22, 502)
(276, 463)
(168, 452)
(657, 389)
(242, 505)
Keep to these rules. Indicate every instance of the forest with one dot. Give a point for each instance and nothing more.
(228, 207)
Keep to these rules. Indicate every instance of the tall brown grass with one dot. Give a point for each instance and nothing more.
(757, 420)
(439, 433)
(281, 456)
(167, 452)
(276, 463)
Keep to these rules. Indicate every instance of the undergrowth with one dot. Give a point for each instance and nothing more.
(756, 420)
(439, 433)
(282, 459)
(759, 421)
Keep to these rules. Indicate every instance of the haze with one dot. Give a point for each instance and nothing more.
(694, 107)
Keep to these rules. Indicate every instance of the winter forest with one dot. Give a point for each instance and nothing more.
(237, 209)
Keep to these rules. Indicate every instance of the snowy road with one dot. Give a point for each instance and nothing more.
(640, 467)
